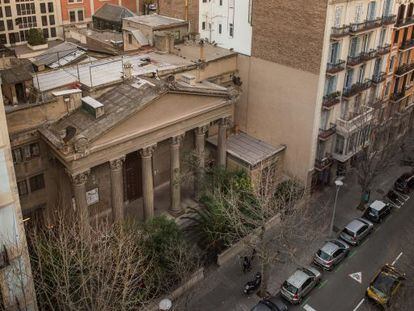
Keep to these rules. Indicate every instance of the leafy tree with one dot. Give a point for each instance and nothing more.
(35, 37)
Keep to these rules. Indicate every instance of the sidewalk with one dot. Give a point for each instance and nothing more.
(221, 290)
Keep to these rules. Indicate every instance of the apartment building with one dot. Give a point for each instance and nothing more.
(318, 73)
(81, 11)
(17, 17)
(227, 23)
(16, 285)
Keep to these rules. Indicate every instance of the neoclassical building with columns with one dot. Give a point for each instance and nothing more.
(123, 153)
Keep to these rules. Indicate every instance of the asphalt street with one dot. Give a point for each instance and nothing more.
(386, 244)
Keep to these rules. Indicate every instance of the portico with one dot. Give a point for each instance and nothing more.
(139, 143)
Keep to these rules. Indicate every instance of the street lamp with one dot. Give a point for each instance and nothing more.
(338, 184)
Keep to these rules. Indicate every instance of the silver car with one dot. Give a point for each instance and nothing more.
(300, 284)
(332, 253)
(356, 231)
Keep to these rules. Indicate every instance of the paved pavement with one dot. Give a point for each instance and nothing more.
(222, 287)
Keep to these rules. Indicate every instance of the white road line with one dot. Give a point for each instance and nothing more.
(308, 308)
(396, 259)
(360, 303)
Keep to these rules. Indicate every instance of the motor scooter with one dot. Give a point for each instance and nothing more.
(253, 285)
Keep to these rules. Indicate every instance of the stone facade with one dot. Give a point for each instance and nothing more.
(289, 32)
(178, 9)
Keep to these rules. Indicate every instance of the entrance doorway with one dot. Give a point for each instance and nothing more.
(132, 177)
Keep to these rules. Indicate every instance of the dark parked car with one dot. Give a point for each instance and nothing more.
(270, 304)
(377, 211)
(405, 183)
(332, 253)
(356, 231)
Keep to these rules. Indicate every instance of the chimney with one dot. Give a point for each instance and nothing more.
(202, 58)
(188, 79)
(127, 70)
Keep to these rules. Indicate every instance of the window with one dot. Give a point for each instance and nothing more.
(231, 30)
(72, 16)
(53, 32)
(1, 25)
(371, 10)
(45, 33)
(221, 2)
(36, 182)
(334, 52)
(80, 15)
(339, 145)
(338, 16)
(22, 187)
(387, 7)
(3, 39)
(14, 37)
(25, 153)
(50, 7)
(129, 38)
(358, 13)
(44, 20)
(396, 36)
(203, 25)
(42, 7)
(220, 28)
(25, 8)
(10, 24)
(51, 19)
(7, 10)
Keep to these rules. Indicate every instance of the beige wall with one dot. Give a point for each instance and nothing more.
(278, 105)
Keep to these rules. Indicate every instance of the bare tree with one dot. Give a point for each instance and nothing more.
(243, 209)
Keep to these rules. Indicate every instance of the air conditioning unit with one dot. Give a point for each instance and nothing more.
(4, 258)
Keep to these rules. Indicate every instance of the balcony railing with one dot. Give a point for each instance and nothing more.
(388, 20)
(324, 134)
(321, 164)
(356, 120)
(338, 32)
(404, 22)
(385, 49)
(356, 88)
(364, 26)
(362, 57)
(376, 103)
(397, 96)
(338, 66)
(331, 99)
(407, 44)
(378, 77)
(404, 69)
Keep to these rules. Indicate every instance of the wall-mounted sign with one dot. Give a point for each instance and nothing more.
(92, 196)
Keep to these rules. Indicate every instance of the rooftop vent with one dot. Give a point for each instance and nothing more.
(189, 79)
(93, 107)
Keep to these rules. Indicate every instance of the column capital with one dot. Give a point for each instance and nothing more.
(177, 140)
(116, 164)
(147, 152)
(79, 178)
(202, 130)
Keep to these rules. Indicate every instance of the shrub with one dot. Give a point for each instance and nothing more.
(35, 37)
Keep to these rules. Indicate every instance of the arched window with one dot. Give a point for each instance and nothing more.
(401, 11)
(410, 10)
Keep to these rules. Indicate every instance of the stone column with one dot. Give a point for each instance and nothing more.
(79, 191)
(117, 188)
(222, 142)
(175, 182)
(200, 140)
(147, 181)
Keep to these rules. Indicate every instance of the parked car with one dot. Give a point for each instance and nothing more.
(356, 231)
(377, 211)
(405, 183)
(300, 283)
(332, 253)
(270, 304)
(385, 285)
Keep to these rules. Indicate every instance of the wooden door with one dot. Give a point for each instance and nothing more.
(133, 177)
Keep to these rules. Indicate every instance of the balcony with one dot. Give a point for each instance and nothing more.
(355, 28)
(321, 164)
(385, 49)
(404, 22)
(376, 103)
(404, 69)
(356, 88)
(339, 32)
(324, 134)
(388, 20)
(406, 45)
(398, 96)
(331, 100)
(355, 120)
(378, 77)
(336, 67)
(362, 57)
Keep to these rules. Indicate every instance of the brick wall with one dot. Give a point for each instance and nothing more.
(176, 8)
(289, 32)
